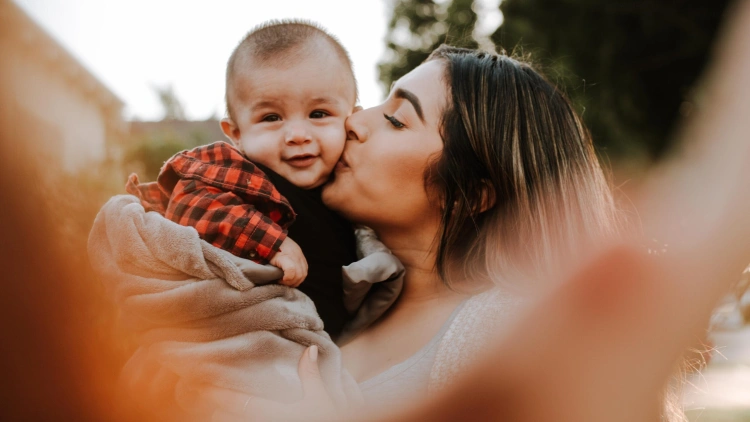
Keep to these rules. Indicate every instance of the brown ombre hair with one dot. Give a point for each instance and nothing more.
(519, 181)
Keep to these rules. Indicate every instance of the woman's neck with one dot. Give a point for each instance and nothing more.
(415, 250)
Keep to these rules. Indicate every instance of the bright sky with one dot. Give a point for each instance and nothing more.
(133, 45)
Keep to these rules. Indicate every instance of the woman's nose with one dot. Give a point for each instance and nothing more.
(297, 133)
(356, 130)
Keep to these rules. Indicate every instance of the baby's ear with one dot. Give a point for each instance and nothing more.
(231, 130)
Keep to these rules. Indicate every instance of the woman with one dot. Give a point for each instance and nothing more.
(475, 170)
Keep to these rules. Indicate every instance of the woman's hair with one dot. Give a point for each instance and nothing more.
(518, 178)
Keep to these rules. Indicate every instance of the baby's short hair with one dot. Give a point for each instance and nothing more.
(274, 41)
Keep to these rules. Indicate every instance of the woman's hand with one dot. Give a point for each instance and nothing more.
(315, 405)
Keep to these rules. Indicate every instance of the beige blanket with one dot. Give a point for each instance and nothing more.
(203, 315)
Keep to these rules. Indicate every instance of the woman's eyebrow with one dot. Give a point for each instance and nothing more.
(410, 97)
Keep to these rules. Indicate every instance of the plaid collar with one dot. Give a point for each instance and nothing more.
(222, 166)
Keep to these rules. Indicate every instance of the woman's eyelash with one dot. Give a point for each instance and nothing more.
(397, 124)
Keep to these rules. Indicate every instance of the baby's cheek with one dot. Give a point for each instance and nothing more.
(262, 144)
(332, 143)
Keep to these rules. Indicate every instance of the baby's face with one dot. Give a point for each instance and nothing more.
(291, 118)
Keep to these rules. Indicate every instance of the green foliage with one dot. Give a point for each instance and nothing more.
(419, 26)
(629, 66)
(173, 109)
(147, 154)
(147, 157)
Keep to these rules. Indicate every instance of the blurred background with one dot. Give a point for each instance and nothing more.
(95, 90)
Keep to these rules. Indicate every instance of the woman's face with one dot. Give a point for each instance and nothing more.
(379, 180)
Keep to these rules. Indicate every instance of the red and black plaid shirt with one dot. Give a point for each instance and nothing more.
(224, 196)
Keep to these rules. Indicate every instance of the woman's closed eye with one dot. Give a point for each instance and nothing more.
(394, 121)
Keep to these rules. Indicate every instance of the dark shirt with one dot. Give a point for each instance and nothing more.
(327, 241)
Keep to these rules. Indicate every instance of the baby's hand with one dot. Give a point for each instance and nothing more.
(291, 260)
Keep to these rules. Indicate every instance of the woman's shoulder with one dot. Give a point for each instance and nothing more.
(480, 319)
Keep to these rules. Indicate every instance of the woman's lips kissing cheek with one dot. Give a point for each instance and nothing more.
(342, 164)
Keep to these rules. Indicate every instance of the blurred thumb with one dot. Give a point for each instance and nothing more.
(309, 374)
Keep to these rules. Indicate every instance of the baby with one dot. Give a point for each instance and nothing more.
(289, 89)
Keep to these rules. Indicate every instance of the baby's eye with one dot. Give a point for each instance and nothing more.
(271, 118)
(318, 114)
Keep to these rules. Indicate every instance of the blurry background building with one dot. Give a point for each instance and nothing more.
(74, 119)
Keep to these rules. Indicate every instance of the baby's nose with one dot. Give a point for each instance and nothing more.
(297, 133)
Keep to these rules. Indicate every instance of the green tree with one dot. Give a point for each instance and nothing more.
(630, 66)
(173, 109)
(419, 26)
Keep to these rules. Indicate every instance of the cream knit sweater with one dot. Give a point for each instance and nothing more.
(481, 319)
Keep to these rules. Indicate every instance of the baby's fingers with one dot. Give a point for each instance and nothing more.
(287, 264)
(293, 274)
(302, 271)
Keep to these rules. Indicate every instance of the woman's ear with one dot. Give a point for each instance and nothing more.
(489, 197)
(487, 200)
(231, 131)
